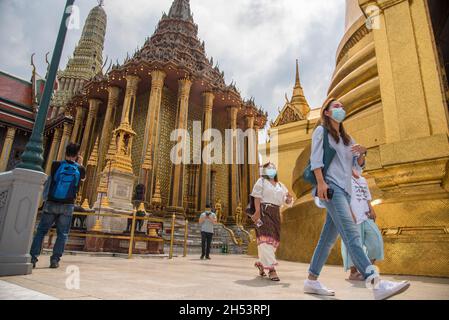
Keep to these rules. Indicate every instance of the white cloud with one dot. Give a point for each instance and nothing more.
(256, 42)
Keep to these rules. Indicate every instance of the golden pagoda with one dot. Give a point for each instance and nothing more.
(391, 76)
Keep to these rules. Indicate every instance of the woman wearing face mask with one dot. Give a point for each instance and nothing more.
(337, 177)
(269, 195)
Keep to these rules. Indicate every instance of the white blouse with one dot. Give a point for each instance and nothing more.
(268, 193)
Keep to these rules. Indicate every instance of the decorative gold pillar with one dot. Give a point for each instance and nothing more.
(408, 70)
(64, 141)
(250, 149)
(208, 102)
(247, 172)
(412, 167)
(108, 123)
(177, 185)
(233, 189)
(132, 83)
(91, 168)
(7, 146)
(77, 125)
(118, 171)
(53, 149)
(124, 133)
(256, 167)
(93, 109)
(149, 165)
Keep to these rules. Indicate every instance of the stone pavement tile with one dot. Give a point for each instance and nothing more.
(224, 277)
(9, 291)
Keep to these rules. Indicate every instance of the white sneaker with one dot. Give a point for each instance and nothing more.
(387, 289)
(315, 287)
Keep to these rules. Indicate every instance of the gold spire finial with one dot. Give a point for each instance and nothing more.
(298, 82)
(85, 205)
(93, 159)
(298, 99)
(157, 199)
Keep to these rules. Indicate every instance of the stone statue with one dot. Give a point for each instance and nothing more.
(238, 215)
(219, 210)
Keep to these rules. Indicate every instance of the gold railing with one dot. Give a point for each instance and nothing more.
(246, 232)
(132, 237)
(235, 240)
(172, 235)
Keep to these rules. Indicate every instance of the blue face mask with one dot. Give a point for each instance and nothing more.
(271, 173)
(339, 114)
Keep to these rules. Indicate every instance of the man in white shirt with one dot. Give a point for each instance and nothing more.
(364, 216)
(207, 221)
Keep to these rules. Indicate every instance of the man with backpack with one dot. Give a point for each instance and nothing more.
(59, 195)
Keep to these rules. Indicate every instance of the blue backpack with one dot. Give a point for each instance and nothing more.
(329, 154)
(65, 182)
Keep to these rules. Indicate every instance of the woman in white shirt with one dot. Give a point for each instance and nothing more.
(269, 195)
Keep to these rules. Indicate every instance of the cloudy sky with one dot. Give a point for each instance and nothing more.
(255, 42)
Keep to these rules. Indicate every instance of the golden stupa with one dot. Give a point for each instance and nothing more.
(391, 76)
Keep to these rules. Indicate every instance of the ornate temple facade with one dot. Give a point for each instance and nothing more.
(391, 74)
(124, 117)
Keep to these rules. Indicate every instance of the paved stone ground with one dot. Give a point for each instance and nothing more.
(224, 277)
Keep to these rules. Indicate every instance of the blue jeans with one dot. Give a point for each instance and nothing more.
(61, 214)
(339, 222)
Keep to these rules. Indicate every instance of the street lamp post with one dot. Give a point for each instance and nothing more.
(32, 158)
(21, 189)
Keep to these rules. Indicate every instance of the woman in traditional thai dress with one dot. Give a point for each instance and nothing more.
(269, 196)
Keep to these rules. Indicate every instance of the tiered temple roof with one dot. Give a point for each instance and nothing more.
(176, 49)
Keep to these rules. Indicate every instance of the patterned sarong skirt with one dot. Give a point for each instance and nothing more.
(269, 235)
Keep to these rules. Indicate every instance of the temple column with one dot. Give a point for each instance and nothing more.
(77, 125)
(132, 83)
(106, 131)
(249, 157)
(7, 146)
(93, 109)
(56, 141)
(232, 113)
(71, 85)
(255, 166)
(64, 141)
(91, 169)
(176, 192)
(208, 102)
(149, 165)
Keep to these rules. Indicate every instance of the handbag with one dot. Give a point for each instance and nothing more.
(329, 153)
(251, 207)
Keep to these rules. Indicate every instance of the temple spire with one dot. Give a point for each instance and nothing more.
(298, 99)
(298, 82)
(86, 60)
(180, 9)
